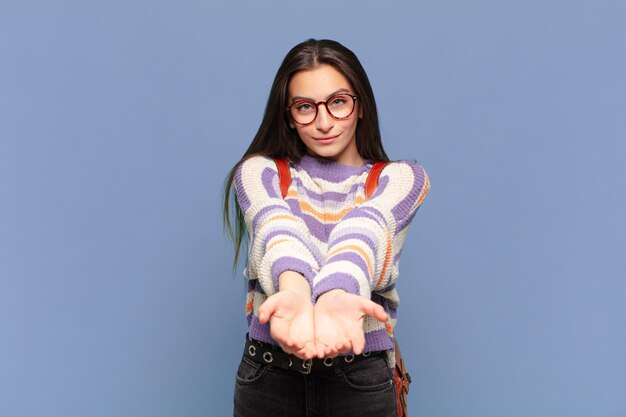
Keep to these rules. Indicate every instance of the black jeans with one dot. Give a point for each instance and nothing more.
(361, 389)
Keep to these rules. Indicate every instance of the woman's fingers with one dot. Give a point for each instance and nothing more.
(321, 350)
(344, 345)
(357, 339)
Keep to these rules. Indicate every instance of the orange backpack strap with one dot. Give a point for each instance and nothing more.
(372, 178)
(284, 176)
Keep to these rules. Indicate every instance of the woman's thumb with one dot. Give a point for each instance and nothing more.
(375, 310)
(267, 309)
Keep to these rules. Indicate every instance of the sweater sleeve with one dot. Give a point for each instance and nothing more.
(278, 240)
(369, 238)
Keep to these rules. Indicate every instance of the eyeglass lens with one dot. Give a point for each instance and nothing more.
(339, 106)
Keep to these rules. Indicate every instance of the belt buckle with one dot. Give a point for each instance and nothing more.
(307, 365)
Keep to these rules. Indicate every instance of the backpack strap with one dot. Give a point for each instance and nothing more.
(284, 176)
(371, 183)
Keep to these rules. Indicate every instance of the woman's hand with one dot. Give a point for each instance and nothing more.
(290, 313)
(291, 322)
(339, 322)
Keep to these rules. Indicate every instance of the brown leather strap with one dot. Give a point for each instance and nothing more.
(402, 380)
(372, 178)
(284, 176)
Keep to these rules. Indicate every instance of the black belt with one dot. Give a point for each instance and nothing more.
(268, 354)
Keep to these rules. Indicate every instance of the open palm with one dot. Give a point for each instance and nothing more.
(291, 322)
(339, 322)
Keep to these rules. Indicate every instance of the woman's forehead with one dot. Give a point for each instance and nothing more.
(317, 83)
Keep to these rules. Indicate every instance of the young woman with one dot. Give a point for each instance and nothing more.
(322, 262)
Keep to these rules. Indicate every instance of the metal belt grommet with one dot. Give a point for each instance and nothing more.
(348, 358)
(290, 362)
(366, 354)
(328, 362)
(267, 357)
(307, 364)
(252, 350)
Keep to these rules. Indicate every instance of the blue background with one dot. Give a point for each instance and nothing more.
(119, 121)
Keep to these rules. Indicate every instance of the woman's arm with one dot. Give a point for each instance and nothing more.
(362, 249)
(279, 240)
(364, 245)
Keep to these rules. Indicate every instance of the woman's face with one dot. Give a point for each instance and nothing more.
(326, 136)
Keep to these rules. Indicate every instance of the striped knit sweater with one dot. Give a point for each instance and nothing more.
(326, 230)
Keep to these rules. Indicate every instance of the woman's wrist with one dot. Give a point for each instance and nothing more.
(295, 282)
(330, 294)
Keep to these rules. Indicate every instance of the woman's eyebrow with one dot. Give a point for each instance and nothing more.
(341, 90)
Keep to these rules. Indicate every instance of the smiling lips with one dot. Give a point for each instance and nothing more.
(326, 140)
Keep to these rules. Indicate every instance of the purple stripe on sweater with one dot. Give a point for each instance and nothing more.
(328, 195)
(314, 250)
(404, 223)
(242, 196)
(334, 281)
(287, 263)
(328, 170)
(382, 186)
(294, 206)
(265, 211)
(318, 229)
(377, 340)
(269, 178)
(368, 240)
(352, 257)
(404, 207)
(367, 212)
(260, 331)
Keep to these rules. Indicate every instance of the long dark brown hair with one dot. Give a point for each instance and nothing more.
(276, 139)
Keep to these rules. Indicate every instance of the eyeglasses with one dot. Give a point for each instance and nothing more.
(339, 106)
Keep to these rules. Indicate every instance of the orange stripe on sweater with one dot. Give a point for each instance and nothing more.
(360, 251)
(278, 217)
(274, 243)
(323, 217)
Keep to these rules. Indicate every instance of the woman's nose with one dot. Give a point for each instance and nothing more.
(324, 121)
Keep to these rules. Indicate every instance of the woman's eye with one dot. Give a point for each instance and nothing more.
(338, 101)
(304, 107)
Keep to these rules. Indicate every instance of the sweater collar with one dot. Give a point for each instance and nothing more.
(329, 170)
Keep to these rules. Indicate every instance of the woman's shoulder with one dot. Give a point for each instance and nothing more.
(405, 168)
(407, 178)
(256, 166)
(258, 162)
